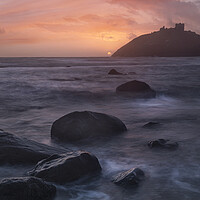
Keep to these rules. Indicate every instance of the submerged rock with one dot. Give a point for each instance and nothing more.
(130, 177)
(15, 150)
(136, 89)
(151, 124)
(66, 167)
(81, 125)
(26, 188)
(114, 72)
(162, 143)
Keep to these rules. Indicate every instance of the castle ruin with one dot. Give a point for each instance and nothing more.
(178, 27)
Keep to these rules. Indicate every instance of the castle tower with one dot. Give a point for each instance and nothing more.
(180, 27)
(163, 28)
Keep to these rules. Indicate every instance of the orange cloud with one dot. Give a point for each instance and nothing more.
(102, 27)
(19, 41)
(2, 30)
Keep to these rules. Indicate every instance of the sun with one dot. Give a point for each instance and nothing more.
(109, 53)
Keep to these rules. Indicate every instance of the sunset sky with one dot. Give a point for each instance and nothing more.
(85, 27)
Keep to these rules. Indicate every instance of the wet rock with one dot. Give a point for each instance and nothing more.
(15, 150)
(136, 89)
(132, 73)
(114, 72)
(151, 124)
(130, 177)
(65, 168)
(162, 143)
(26, 188)
(81, 125)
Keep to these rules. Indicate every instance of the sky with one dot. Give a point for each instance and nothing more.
(79, 28)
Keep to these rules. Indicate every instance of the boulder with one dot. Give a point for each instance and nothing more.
(15, 150)
(114, 72)
(162, 143)
(136, 89)
(130, 177)
(81, 125)
(151, 124)
(65, 168)
(26, 188)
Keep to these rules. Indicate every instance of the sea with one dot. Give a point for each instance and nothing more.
(34, 92)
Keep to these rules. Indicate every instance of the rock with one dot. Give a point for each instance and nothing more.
(15, 150)
(114, 72)
(26, 188)
(151, 124)
(81, 125)
(130, 177)
(171, 42)
(136, 89)
(65, 168)
(132, 73)
(162, 143)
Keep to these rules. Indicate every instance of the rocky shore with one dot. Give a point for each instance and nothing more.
(58, 166)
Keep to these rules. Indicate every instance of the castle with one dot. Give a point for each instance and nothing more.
(178, 27)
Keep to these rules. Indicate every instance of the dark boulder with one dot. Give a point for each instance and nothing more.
(26, 188)
(136, 89)
(162, 143)
(65, 168)
(81, 125)
(114, 72)
(15, 150)
(151, 124)
(130, 177)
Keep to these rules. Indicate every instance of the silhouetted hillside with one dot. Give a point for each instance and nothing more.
(172, 42)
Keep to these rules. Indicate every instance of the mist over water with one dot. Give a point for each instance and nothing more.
(37, 91)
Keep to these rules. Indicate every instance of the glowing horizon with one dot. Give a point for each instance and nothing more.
(81, 28)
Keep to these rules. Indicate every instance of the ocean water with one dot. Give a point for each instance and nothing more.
(34, 92)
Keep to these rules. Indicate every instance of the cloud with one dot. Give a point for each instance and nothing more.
(131, 36)
(165, 12)
(71, 20)
(23, 40)
(103, 24)
(12, 11)
(91, 24)
(114, 20)
(2, 30)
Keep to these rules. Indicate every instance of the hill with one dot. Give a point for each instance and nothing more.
(172, 42)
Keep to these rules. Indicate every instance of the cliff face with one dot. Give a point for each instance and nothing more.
(163, 43)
